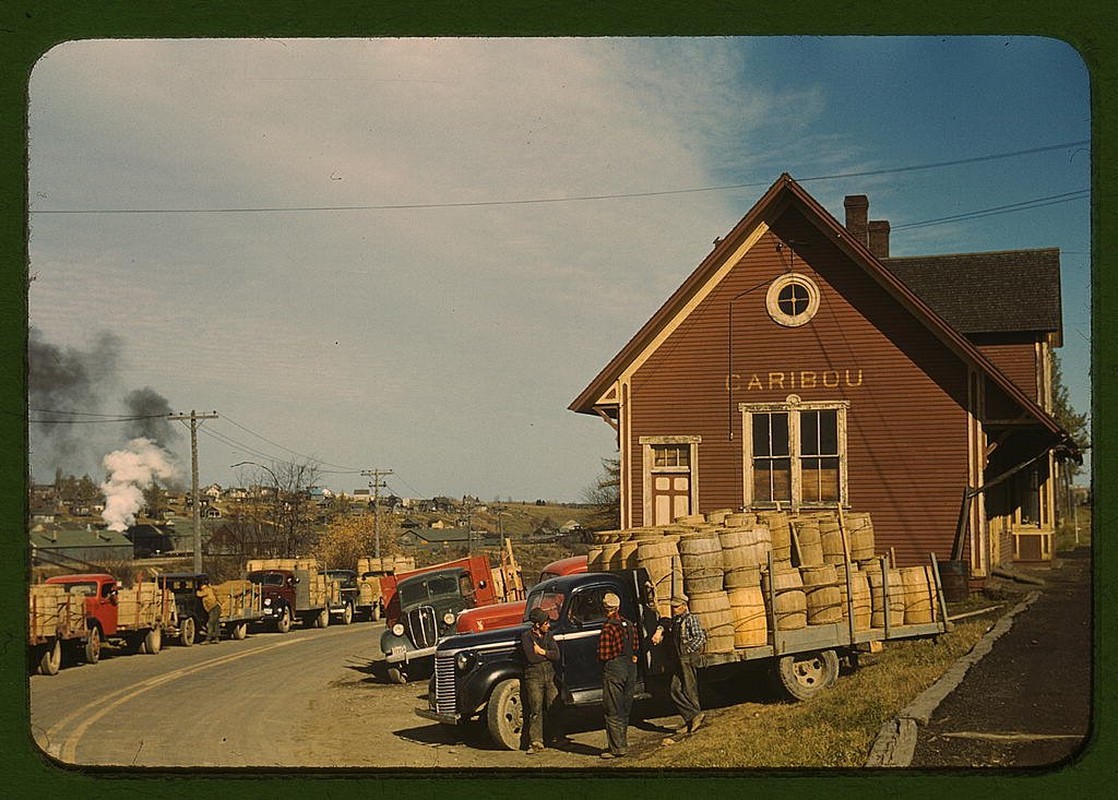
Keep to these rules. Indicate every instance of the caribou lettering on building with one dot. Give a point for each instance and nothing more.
(795, 379)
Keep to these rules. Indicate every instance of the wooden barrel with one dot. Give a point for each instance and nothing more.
(882, 598)
(808, 547)
(780, 534)
(627, 554)
(789, 605)
(821, 593)
(702, 581)
(700, 552)
(661, 559)
(690, 519)
(594, 558)
(714, 612)
(740, 520)
(919, 593)
(610, 553)
(742, 577)
(718, 516)
(830, 538)
(860, 600)
(859, 533)
(747, 606)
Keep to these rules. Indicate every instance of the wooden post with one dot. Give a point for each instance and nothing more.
(846, 568)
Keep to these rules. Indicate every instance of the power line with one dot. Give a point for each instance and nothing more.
(1024, 205)
(289, 450)
(545, 200)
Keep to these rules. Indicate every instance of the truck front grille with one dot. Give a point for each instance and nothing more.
(446, 694)
(423, 626)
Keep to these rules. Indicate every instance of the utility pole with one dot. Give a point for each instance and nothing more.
(193, 418)
(376, 485)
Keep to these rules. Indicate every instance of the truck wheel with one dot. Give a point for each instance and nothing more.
(240, 631)
(153, 641)
(323, 619)
(804, 675)
(93, 646)
(186, 632)
(284, 623)
(51, 658)
(504, 714)
(347, 614)
(397, 675)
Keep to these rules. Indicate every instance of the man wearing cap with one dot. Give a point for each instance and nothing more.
(537, 687)
(618, 649)
(688, 639)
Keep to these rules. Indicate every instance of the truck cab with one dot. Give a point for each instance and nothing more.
(98, 592)
(502, 615)
(349, 592)
(423, 607)
(477, 675)
(279, 590)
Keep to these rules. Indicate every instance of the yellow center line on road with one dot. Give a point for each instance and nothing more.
(66, 751)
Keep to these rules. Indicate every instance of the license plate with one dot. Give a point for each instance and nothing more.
(398, 651)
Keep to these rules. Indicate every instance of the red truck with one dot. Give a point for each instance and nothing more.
(503, 615)
(421, 607)
(134, 616)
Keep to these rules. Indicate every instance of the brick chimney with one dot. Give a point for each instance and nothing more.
(857, 213)
(879, 238)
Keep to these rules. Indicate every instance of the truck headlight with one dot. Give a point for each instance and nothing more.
(463, 661)
(397, 629)
(448, 618)
(267, 601)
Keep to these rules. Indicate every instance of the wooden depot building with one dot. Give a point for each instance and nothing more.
(800, 367)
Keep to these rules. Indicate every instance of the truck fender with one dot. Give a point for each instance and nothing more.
(388, 640)
(479, 687)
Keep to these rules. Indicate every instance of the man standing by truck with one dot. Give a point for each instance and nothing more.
(212, 608)
(687, 641)
(538, 684)
(618, 648)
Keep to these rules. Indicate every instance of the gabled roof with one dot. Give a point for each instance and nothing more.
(998, 292)
(782, 195)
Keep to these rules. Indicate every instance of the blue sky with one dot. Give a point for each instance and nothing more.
(416, 314)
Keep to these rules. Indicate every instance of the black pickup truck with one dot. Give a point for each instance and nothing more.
(477, 675)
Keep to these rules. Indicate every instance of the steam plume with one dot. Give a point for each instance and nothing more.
(130, 472)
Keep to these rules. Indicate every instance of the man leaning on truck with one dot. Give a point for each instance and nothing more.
(538, 684)
(212, 607)
(618, 647)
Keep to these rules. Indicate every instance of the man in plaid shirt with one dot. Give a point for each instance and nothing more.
(618, 649)
(688, 640)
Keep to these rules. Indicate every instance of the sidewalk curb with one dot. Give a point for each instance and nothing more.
(895, 744)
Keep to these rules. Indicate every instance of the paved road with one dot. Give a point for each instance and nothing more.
(1027, 703)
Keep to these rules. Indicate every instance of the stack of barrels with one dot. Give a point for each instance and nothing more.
(721, 561)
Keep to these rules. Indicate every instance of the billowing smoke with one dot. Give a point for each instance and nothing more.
(131, 471)
(71, 393)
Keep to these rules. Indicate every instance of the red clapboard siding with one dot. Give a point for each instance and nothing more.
(906, 426)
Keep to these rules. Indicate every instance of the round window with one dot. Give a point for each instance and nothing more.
(792, 299)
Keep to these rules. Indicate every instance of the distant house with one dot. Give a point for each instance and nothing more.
(213, 491)
(570, 526)
(71, 546)
(149, 540)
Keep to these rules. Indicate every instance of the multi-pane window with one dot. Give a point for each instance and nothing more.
(671, 455)
(794, 454)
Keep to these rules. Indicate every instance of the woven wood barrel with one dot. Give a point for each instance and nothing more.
(742, 577)
(780, 534)
(821, 592)
(700, 550)
(594, 558)
(714, 612)
(859, 532)
(743, 519)
(789, 602)
(762, 543)
(661, 559)
(830, 537)
(610, 553)
(690, 520)
(880, 600)
(645, 533)
(747, 605)
(718, 516)
(919, 594)
(627, 554)
(860, 600)
(809, 548)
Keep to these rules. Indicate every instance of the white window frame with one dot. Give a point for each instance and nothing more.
(793, 405)
(772, 300)
(649, 470)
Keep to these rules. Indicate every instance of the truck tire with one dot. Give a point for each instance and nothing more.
(323, 618)
(186, 632)
(804, 675)
(504, 714)
(283, 625)
(347, 614)
(93, 646)
(153, 641)
(240, 631)
(397, 674)
(50, 659)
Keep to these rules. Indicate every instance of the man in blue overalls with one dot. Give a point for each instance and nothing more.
(618, 649)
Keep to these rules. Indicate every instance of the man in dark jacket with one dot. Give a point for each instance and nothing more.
(685, 631)
(618, 649)
(537, 687)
